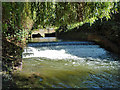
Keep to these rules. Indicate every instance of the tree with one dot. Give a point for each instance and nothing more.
(55, 14)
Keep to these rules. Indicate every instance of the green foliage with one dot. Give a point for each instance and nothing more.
(13, 15)
(62, 13)
(53, 14)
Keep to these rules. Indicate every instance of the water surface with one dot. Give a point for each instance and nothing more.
(70, 65)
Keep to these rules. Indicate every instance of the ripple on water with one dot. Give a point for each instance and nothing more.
(80, 65)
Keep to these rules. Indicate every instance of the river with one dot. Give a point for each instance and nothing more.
(69, 64)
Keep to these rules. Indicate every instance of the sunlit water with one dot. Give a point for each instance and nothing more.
(43, 39)
(72, 64)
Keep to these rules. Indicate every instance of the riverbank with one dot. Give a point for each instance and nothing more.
(12, 55)
(53, 66)
(11, 61)
(106, 34)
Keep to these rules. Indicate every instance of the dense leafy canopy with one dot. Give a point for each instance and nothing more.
(61, 13)
(49, 14)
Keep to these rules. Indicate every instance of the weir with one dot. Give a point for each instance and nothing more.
(88, 64)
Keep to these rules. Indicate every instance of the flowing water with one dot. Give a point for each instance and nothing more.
(71, 65)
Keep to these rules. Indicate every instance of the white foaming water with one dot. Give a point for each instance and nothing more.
(86, 64)
(81, 54)
(51, 54)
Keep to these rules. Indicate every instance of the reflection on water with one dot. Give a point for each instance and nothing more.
(72, 64)
(43, 39)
